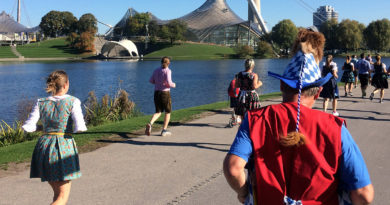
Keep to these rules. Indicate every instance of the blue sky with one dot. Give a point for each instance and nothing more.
(111, 11)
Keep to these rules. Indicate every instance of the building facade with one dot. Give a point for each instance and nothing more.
(324, 13)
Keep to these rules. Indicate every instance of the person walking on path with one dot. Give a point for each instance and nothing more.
(162, 80)
(348, 76)
(364, 68)
(330, 89)
(300, 155)
(248, 82)
(55, 158)
(379, 80)
(355, 72)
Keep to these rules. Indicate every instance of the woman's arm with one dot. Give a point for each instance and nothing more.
(31, 123)
(256, 82)
(77, 116)
(169, 79)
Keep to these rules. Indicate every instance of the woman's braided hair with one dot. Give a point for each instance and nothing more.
(56, 80)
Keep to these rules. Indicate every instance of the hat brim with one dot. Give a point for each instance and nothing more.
(293, 83)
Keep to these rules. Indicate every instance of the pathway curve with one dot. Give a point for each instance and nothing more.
(186, 168)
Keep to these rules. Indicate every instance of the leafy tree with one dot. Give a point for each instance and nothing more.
(87, 23)
(350, 35)
(70, 23)
(154, 28)
(329, 29)
(174, 30)
(136, 25)
(264, 50)
(72, 39)
(52, 24)
(377, 35)
(284, 34)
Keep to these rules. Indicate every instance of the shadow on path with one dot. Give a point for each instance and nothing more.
(200, 145)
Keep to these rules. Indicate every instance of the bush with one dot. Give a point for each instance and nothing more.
(109, 109)
(244, 51)
(14, 134)
(264, 50)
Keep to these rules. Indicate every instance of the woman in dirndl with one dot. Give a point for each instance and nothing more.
(248, 82)
(348, 76)
(55, 158)
(330, 89)
(379, 80)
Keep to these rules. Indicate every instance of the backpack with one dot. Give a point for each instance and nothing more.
(232, 90)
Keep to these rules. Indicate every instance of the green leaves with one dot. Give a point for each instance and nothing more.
(284, 34)
(377, 35)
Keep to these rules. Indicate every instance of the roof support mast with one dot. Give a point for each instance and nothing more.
(256, 12)
(18, 11)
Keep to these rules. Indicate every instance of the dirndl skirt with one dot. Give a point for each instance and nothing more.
(55, 158)
(348, 77)
(330, 89)
(248, 100)
(380, 81)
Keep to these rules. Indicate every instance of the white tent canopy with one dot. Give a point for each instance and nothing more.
(123, 48)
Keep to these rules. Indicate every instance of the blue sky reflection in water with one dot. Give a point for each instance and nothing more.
(198, 82)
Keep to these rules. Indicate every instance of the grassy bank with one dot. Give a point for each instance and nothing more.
(5, 52)
(188, 51)
(53, 48)
(87, 141)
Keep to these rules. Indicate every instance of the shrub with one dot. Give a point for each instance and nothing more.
(264, 50)
(14, 134)
(109, 109)
(244, 51)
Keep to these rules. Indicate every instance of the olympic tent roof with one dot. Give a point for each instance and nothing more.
(211, 16)
(9, 25)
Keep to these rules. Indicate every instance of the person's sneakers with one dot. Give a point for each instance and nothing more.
(350, 94)
(165, 133)
(372, 96)
(380, 101)
(335, 113)
(148, 129)
(346, 95)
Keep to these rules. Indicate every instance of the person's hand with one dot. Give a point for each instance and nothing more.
(174, 85)
(243, 194)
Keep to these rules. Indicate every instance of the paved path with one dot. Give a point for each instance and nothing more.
(186, 168)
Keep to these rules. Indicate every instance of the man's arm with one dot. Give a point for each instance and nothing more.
(363, 196)
(234, 170)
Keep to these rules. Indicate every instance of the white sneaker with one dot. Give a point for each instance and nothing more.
(165, 133)
(336, 114)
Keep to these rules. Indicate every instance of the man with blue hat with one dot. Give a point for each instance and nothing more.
(294, 154)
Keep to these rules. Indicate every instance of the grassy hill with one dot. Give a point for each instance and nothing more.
(188, 51)
(5, 52)
(53, 48)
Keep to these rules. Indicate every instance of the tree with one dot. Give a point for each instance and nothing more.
(136, 25)
(52, 24)
(377, 35)
(329, 29)
(85, 43)
(70, 23)
(244, 51)
(284, 34)
(350, 35)
(87, 23)
(174, 30)
(264, 50)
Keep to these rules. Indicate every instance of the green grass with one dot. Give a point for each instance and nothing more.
(53, 48)
(5, 52)
(189, 51)
(22, 152)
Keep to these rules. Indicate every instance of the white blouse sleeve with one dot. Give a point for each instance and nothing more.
(78, 118)
(31, 123)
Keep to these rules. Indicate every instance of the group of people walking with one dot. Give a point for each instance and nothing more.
(293, 153)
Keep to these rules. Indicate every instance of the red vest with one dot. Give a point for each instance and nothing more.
(306, 173)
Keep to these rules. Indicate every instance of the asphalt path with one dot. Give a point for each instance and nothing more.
(186, 168)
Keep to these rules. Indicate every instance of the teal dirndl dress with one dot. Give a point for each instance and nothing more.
(55, 156)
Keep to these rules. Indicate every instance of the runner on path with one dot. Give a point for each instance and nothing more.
(295, 154)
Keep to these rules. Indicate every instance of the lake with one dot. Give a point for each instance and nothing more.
(198, 82)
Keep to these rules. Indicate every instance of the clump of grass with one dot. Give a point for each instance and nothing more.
(109, 109)
(14, 134)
